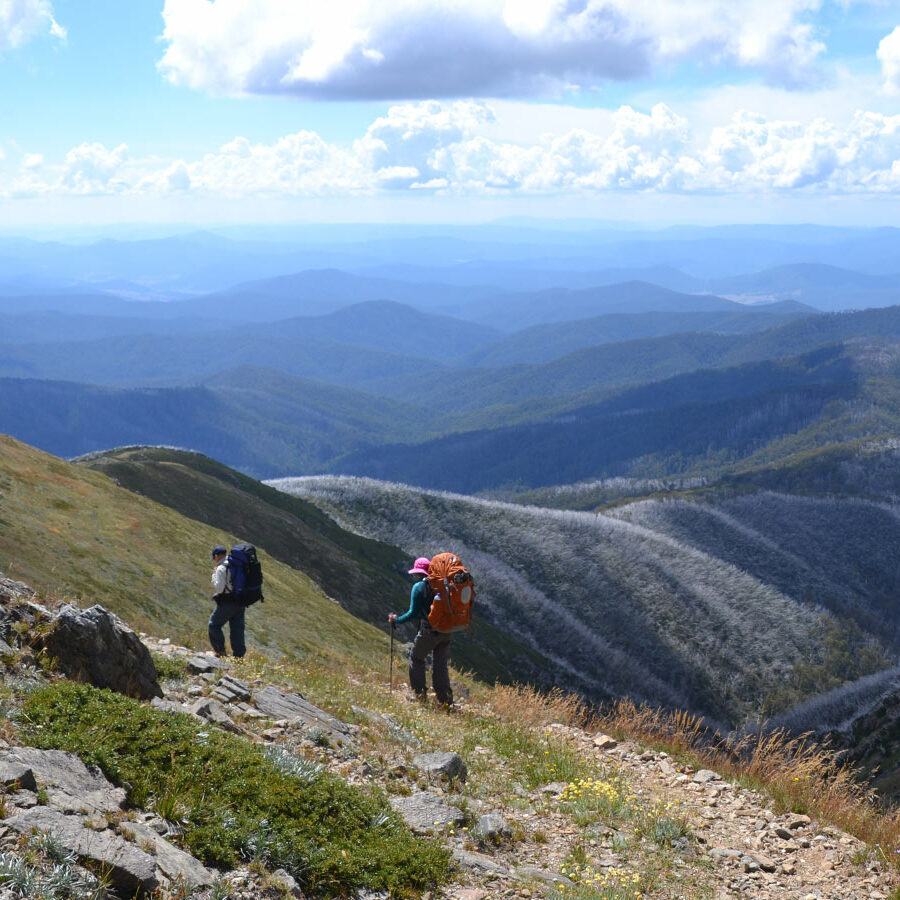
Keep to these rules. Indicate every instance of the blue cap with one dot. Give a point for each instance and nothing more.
(218, 549)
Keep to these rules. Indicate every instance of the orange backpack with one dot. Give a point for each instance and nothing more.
(453, 589)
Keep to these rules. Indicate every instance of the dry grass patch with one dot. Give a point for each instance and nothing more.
(528, 707)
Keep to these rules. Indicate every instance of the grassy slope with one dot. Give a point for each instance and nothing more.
(366, 577)
(70, 531)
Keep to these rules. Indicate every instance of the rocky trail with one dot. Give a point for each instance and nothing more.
(507, 841)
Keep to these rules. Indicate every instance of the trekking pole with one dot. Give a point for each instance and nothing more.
(392, 658)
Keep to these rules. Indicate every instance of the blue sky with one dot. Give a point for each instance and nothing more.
(449, 110)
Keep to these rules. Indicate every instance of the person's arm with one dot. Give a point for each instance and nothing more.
(416, 602)
(219, 579)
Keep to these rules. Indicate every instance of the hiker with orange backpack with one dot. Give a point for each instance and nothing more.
(441, 602)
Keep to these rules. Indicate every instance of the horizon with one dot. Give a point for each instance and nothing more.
(268, 231)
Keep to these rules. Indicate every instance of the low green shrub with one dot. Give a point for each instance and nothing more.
(238, 804)
(662, 823)
(169, 668)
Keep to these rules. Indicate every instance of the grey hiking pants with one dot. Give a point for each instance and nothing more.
(438, 645)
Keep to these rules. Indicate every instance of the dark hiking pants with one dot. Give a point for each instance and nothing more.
(232, 612)
(438, 645)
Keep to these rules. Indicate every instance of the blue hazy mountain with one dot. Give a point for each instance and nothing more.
(203, 262)
(542, 343)
(530, 275)
(826, 287)
(512, 312)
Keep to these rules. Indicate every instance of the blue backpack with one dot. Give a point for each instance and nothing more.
(246, 574)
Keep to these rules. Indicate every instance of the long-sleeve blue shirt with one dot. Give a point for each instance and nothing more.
(419, 604)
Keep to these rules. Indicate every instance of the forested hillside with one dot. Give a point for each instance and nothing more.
(639, 608)
(702, 424)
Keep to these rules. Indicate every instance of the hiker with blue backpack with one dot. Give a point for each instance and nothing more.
(440, 602)
(237, 584)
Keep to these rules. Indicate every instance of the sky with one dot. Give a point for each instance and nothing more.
(659, 111)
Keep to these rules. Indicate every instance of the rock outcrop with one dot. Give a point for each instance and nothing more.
(95, 646)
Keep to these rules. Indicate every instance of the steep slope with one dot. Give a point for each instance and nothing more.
(67, 530)
(730, 604)
(604, 824)
(620, 609)
(839, 554)
(366, 577)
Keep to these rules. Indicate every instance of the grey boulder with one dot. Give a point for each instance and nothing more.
(447, 765)
(491, 828)
(70, 785)
(300, 712)
(95, 646)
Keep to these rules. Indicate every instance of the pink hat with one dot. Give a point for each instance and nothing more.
(420, 566)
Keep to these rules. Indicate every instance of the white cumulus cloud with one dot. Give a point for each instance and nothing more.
(21, 20)
(753, 154)
(462, 48)
(889, 57)
(92, 169)
(451, 148)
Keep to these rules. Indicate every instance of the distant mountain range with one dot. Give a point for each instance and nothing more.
(697, 423)
(334, 370)
(825, 287)
(502, 256)
(679, 404)
(551, 340)
(385, 336)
